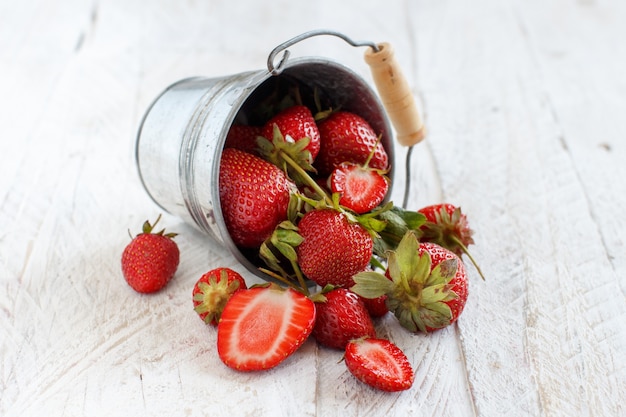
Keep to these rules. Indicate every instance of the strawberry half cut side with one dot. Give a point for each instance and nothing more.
(262, 326)
(360, 187)
(380, 364)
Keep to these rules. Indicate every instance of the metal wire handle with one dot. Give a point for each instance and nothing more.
(276, 70)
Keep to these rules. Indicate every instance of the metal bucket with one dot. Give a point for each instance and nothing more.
(182, 134)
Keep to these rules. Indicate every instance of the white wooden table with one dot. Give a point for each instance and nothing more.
(524, 103)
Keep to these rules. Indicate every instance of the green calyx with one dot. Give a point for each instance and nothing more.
(452, 232)
(280, 248)
(288, 154)
(147, 229)
(213, 295)
(416, 294)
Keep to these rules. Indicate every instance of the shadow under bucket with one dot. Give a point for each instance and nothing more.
(181, 137)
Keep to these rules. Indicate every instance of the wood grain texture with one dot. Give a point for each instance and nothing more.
(523, 104)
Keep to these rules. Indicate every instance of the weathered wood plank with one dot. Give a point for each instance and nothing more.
(523, 103)
(501, 154)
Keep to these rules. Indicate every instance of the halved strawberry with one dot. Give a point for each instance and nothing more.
(262, 326)
(360, 187)
(213, 290)
(380, 364)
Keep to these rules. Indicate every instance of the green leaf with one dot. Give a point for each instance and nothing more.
(371, 284)
(394, 268)
(438, 317)
(372, 224)
(287, 251)
(413, 219)
(443, 272)
(268, 257)
(289, 237)
(441, 308)
(437, 293)
(421, 273)
(408, 257)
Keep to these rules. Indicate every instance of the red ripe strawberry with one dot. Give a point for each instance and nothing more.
(360, 187)
(333, 249)
(380, 364)
(447, 226)
(243, 137)
(428, 286)
(346, 137)
(262, 326)
(150, 260)
(341, 317)
(213, 290)
(254, 195)
(298, 123)
(376, 307)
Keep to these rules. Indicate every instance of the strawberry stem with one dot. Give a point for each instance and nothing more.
(280, 278)
(372, 152)
(456, 240)
(300, 278)
(306, 177)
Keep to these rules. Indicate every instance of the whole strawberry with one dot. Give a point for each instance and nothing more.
(333, 249)
(213, 290)
(150, 260)
(347, 137)
(380, 364)
(243, 137)
(254, 196)
(428, 287)
(376, 307)
(447, 226)
(341, 317)
(298, 123)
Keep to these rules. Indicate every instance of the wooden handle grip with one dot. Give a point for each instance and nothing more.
(395, 94)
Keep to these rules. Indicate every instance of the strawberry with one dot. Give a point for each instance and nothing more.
(296, 122)
(447, 226)
(379, 363)
(376, 307)
(428, 286)
(360, 187)
(346, 137)
(150, 260)
(243, 137)
(333, 249)
(262, 326)
(254, 196)
(213, 290)
(341, 317)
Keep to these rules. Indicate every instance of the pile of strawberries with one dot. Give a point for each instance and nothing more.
(304, 194)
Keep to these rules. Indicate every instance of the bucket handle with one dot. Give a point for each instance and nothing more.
(392, 86)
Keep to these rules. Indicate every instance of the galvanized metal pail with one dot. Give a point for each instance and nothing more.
(183, 132)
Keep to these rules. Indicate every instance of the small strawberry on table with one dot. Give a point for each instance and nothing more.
(380, 364)
(213, 290)
(341, 317)
(150, 260)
